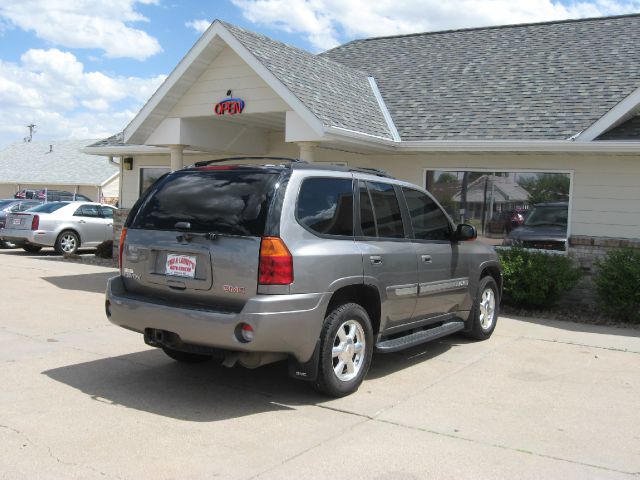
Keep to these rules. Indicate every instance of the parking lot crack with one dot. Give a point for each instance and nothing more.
(503, 447)
(577, 344)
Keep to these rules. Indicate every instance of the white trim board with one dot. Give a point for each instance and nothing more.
(618, 114)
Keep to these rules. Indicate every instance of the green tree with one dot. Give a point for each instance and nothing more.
(447, 178)
(547, 187)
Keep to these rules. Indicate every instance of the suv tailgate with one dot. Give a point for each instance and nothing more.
(195, 237)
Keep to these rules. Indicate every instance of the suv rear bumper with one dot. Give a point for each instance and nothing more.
(289, 324)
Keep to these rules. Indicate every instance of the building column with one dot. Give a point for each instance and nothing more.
(307, 151)
(176, 156)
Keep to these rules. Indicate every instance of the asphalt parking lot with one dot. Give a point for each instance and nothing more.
(81, 398)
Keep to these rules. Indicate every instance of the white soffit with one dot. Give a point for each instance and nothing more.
(620, 113)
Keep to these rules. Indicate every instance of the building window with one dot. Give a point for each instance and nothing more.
(523, 208)
(148, 176)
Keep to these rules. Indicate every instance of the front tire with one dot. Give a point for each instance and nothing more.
(186, 357)
(486, 306)
(346, 348)
(31, 248)
(67, 242)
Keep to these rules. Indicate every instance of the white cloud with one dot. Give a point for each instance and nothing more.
(97, 24)
(199, 25)
(327, 23)
(51, 89)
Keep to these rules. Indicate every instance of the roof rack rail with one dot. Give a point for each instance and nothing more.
(373, 171)
(204, 163)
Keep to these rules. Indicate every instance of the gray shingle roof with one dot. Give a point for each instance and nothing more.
(116, 140)
(536, 81)
(337, 95)
(33, 163)
(629, 130)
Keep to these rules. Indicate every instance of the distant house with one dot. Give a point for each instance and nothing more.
(491, 193)
(57, 165)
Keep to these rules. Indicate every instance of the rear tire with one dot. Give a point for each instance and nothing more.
(31, 248)
(486, 306)
(346, 348)
(186, 357)
(67, 242)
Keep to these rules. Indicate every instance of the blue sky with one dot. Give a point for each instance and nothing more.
(83, 68)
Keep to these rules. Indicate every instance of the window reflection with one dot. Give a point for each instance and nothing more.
(498, 204)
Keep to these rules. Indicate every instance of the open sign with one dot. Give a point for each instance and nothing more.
(229, 106)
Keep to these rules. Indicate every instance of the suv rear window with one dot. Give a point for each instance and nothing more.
(325, 205)
(233, 201)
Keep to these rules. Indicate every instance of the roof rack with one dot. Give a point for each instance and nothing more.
(372, 171)
(204, 163)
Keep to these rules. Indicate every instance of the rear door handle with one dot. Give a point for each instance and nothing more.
(426, 258)
(376, 259)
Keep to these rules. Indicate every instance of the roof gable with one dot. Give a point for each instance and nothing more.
(545, 81)
(322, 92)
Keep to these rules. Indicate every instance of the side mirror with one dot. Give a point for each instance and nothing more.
(465, 232)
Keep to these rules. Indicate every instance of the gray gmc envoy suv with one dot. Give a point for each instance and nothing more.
(319, 265)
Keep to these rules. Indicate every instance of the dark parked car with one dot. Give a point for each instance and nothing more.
(505, 221)
(544, 228)
(13, 205)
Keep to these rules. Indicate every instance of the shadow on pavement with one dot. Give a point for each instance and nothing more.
(208, 392)
(86, 282)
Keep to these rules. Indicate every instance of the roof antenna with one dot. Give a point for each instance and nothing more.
(32, 130)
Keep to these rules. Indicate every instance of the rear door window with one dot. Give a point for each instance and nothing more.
(107, 212)
(325, 206)
(386, 211)
(231, 201)
(88, 211)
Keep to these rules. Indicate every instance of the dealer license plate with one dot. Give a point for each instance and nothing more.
(17, 221)
(181, 265)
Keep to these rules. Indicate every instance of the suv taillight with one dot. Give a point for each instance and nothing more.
(276, 262)
(35, 222)
(123, 236)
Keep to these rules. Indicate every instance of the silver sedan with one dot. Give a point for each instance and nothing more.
(66, 226)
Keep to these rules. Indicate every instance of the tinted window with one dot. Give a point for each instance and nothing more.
(386, 210)
(367, 220)
(107, 212)
(88, 211)
(49, 207)
(325, 205)
(428, 221)
(5, 203)
(233, 201)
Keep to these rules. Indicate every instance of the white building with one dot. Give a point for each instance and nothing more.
(556, 97)
(57, 165)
